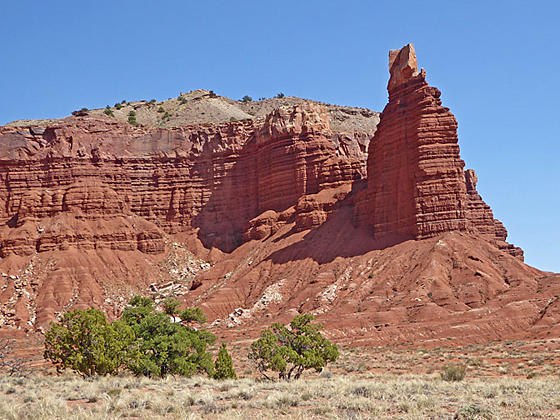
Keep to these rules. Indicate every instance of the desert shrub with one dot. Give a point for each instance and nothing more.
(223, 367)
(160, 109)
(132, 118)
(166, 347)
(108, 111)
(473, 412)
(246, 98)
(453, 373)
(279, 95)
(152, 101)
(289, 350)
(85, 342)
(118, 105)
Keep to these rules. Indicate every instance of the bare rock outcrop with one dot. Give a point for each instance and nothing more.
(296, 210)
(416, 184)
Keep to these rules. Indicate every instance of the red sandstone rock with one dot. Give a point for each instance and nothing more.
(84, 185)
(93, 211)
(416, 184)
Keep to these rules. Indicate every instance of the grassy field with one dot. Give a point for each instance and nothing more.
(511, 380)
(377, 396)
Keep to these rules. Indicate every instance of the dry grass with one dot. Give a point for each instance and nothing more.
(379, 396)
(503, 381)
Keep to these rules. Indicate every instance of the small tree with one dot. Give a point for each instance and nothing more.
(166, 347)
(171, 306)
(132, 118)
(193, 314)
(85, 342)
(223, 367)
(289, 350)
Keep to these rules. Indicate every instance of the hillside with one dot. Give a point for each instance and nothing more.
(256, 211)
(205, 107)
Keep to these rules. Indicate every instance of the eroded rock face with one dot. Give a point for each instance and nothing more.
(281, 217)
(416, 184)
(80, 188)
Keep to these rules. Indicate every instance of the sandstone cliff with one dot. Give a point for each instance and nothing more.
(416, 184)
(377, 230)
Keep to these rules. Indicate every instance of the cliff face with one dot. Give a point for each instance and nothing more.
(92, 187)
(416, 184)
(215, 177)
(259, 219)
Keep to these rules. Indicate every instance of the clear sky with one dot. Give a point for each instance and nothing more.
(496, 62)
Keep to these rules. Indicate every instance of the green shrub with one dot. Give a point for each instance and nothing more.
(289, 350)
(85, 342)
(223, 367)
(118, 106)
(166, 347)
(453, 372)
(132, 118)
(279, 95)
(473, 412)
(246, 98)
(108, 111)
(160, 109)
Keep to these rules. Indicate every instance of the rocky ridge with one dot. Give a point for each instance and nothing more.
(379, 230)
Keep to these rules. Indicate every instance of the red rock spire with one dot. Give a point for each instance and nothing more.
(416, 184)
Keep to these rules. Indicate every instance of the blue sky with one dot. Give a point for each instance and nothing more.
(496, 62)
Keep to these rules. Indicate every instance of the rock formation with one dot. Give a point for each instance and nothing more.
(292, 211)
(416, 184)
(87, 184)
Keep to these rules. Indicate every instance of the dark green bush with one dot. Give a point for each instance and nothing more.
(132, 118)
(246, 98)
(289, 350)
(223, 367)
(279, 95)
(85, 342)
(166, 347)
